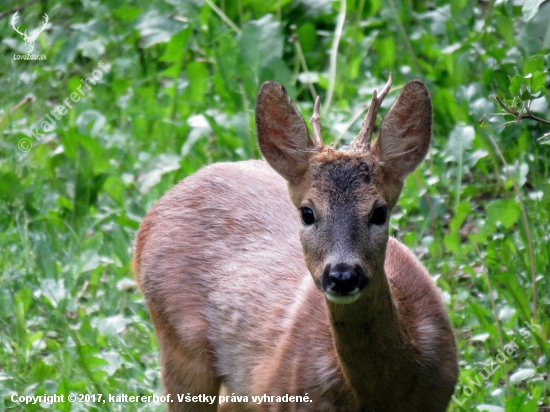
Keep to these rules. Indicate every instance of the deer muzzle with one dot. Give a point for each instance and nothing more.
(343, 283)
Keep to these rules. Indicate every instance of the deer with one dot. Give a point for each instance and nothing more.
(30, 39)
(279, 277)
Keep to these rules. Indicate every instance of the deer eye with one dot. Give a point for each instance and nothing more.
(379, 216)
(308, 218)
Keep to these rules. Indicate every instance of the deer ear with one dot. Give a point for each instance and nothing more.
(283, 137)
(406, 131)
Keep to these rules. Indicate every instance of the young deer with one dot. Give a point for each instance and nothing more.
(266, 293)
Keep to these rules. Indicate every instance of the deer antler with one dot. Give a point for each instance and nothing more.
(316, 125)
(13, 20)
(365, 135)
(36, 32)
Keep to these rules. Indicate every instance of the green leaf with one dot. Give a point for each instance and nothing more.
(537, 83)
(114, 361)
(260, 42)
(21, 325)
(520, 404)
(160, 165)
(489, 408)
(462, 210)
(86, 332)
(385, 47)
(10, 186)
(64, 389)
(519, 173)
(93, 49)
(90, 122)
(535, 34)
(227, 72)
(100, 162)
(54, 290)
(545, 139)
(506, 29)
(41, 371)
(503, 211)
(460, 140)
(515, 85)
(67, 52)
(499, 77)
(126, 13)
(24, 297)
(176, 46)
(521, 375)
(457, 6)
(112, 325)
(95, 362)
(307, 35)
(155, 29)
(531, 8)
(89, 260)
(453, 240)
(495, 124)
(534, 64)
(64, 203)
(198, 81)
(452, 243)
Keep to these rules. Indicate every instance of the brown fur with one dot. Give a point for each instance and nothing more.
(231, 276)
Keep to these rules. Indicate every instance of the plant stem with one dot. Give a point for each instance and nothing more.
(18, 8)
(428, 202)
(356, 26)
(334, 54)
(495, 314)
(527, 233)
(80, 357)
(302, 59)
(223, 16)
(356, 116)
(404, 36)
(28, 98)
(459, 177)
(240, 7)
(246, 109)
(533, 117)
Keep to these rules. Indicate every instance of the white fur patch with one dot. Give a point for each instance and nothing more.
(299, 299)
(344, 300)
(428, 337)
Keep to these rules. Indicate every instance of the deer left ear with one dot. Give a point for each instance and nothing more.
(406, 131)
(283, 137)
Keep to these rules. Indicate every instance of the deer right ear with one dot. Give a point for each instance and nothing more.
(283, 137)
(406, 131)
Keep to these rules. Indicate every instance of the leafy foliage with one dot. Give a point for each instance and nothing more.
(179, 93)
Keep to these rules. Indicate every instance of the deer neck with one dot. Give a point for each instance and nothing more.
(370, 343)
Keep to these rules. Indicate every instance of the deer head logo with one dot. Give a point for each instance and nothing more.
(30, 39)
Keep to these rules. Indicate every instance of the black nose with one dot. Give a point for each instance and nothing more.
(343, 278)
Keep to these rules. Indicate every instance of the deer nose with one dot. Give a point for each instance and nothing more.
(343, 279)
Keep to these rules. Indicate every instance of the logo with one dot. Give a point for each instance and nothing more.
(30, 39)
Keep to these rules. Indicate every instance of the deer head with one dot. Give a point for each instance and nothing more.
(30, 39)
(345, 197)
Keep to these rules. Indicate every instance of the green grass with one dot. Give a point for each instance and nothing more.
(180, 93)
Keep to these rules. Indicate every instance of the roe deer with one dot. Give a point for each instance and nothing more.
(255, 292)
